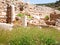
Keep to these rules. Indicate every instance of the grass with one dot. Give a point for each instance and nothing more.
(30, 36)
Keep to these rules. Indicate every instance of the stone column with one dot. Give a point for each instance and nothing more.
(10, 13)
(24, 21)
(13, 13)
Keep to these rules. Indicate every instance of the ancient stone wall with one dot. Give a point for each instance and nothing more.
(54, 16)
(3, 10)
(8, 15)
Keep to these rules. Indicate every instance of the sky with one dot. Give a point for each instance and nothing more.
(40, 1)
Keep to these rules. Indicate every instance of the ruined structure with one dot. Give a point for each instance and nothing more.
(5, 9)
(54, 16)
(37, 12)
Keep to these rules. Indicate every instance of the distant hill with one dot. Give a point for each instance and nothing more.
(55, 5)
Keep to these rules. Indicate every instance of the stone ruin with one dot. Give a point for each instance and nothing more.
(7, 15)
(55, 17)
(4, 11)
(8, 12)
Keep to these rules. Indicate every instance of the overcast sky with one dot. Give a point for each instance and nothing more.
(40, 1)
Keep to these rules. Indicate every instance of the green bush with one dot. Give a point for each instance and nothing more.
(30, 17)
(50, 41)
(47, 17)
(20, 15)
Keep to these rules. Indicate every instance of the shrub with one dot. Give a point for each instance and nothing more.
(50, 41)
(30, 17)
(20, 15)
(47, 17)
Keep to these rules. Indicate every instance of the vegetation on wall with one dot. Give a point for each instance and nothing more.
(20, 15)
(30, 17)
(47, 17)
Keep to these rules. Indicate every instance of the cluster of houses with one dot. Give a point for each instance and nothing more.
(9, 10)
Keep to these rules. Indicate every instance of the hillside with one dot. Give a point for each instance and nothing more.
(55, 5)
